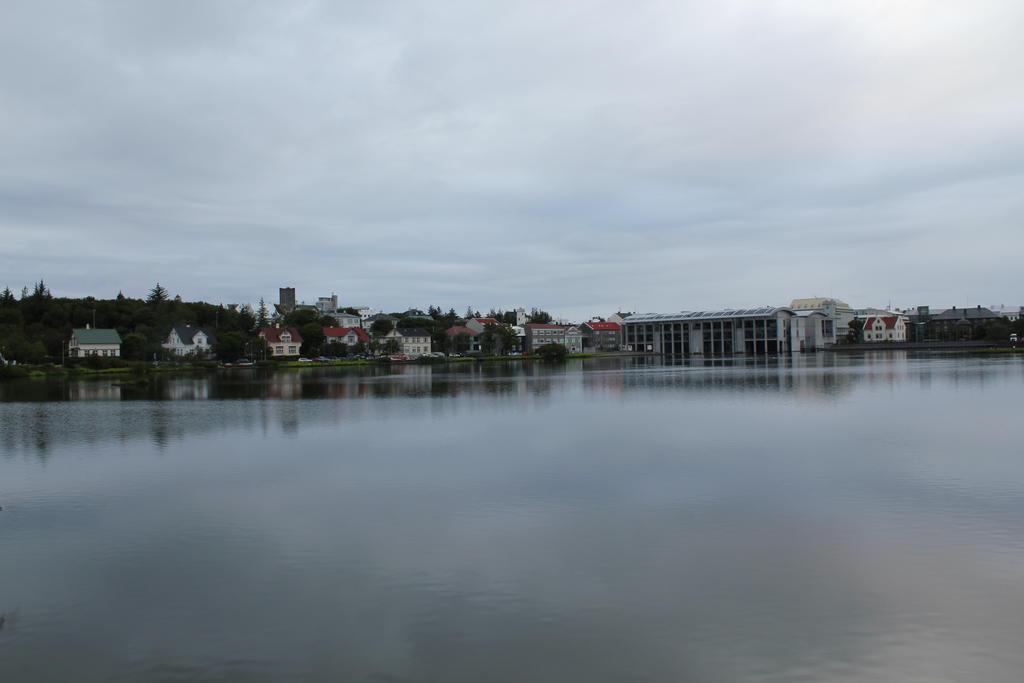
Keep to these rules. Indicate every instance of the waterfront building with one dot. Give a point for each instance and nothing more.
(885, 328)
(190, 341)
(601, 336)
(282, 342)
(88, 341)
(838, 315)
(480, 324)
(751, 331)
(349, 336)
(412, 340)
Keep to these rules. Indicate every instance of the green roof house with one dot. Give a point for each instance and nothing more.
(90, 342)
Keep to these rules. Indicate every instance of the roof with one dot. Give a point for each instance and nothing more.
(344, 332)
(962, 313)
(96, 336)
(488, 321)
(187, 333)
(603, 327)
(816, 303)
(273, 334)
(461, 329)
(545, 326)
(889, 320)
(762, 312)
(412, 332)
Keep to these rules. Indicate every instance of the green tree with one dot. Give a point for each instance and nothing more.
(157, 295)
(381, 327)
(262, 315)
(230, 346)
(538, 317)
(552, 352)
(7, 299)
(853, 335)
(133, 346)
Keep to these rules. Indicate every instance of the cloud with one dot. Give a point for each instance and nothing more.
(674, 155)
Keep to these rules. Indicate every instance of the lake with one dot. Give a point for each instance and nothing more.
(822, 518)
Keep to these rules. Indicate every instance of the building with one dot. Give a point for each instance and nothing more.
(520, 317)
(952, 324)
(286, 297)
(480, 324)
(538, 335)
(838, 315)
(1011, 313)
(282, 342)
(349, 336)
(601, 336)
(413, 340)
(885, 328)
(327, 304)
(462, 339)
(767, 330)
(345, 319)
(190, 341)
(94, 342)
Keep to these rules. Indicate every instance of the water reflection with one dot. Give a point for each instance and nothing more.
(826, 519)
(35, 419)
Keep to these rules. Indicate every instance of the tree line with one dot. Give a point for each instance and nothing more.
(36, 326)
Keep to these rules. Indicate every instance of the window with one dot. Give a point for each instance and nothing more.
(291, 350)
(278, 349)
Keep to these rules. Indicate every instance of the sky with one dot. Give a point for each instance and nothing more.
(581, 156)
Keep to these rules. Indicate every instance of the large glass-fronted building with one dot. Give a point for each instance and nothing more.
(751, 331)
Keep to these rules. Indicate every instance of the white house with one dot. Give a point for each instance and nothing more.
(190, 341)
(885, 328)
(89, 342)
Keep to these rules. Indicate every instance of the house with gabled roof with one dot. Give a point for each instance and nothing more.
(478, 325)
(94, 342)
(601, 336)
(885, 328)
(413, 340)
(282, 342)
(349, 336)
(462, 338)
(184, 340)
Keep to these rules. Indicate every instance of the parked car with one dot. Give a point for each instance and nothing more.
(305, 360)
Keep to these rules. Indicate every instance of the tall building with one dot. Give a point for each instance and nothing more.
(838, 315)
(287, 299)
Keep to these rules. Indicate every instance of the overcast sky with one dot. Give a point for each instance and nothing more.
(581, 157)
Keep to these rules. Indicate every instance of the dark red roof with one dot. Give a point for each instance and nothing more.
(273, 334)
(343, 332)
(612, 327)
(459, 329)
(889, 320)
(487, 321)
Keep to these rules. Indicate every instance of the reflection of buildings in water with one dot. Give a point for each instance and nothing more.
(94, 390)
(188, 389)
(809, 374)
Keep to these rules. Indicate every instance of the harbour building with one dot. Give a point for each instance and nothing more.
(761, 331)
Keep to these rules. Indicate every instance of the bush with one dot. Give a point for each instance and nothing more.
(552, 352)
(12, 372)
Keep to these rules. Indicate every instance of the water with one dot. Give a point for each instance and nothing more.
(829, 518)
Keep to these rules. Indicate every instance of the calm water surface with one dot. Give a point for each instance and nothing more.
(829, 518)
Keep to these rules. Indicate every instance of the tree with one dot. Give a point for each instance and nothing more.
(230, 346)
(552, 352)
(381, 327)
(391, 346)
(7, 299)
(538, 317)
(262, 315)
(853, 336)
(133, 346)
(157, 295)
